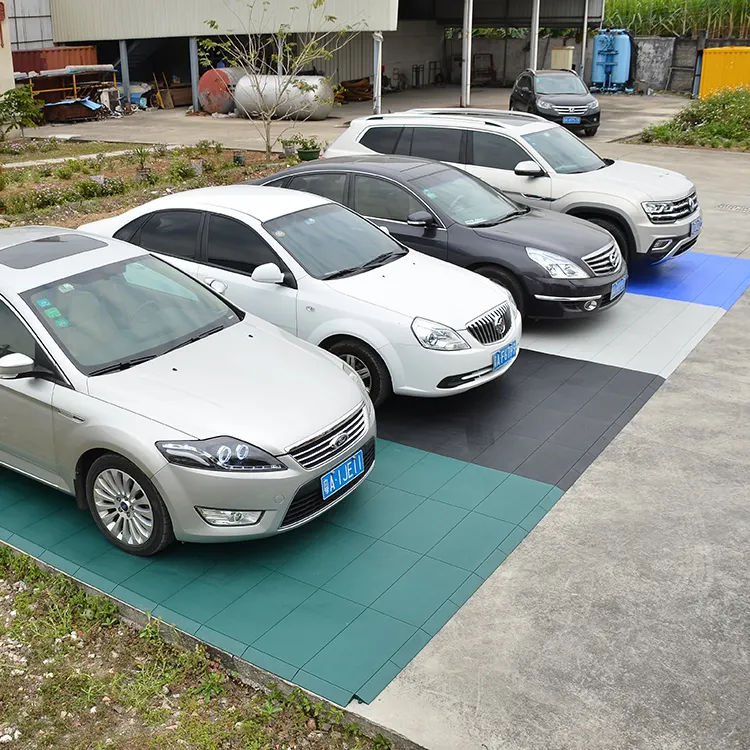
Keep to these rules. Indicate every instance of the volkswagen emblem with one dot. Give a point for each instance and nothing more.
(339, 440)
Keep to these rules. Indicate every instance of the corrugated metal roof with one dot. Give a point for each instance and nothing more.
(517, 13)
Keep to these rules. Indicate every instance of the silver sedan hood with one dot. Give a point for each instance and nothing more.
(245, 382)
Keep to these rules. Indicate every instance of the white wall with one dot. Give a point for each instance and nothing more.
(30, 23)
(95, 20)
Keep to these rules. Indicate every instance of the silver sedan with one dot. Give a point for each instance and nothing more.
(164, 409)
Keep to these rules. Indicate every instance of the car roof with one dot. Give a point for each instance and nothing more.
(259, 202)
(554, 72)
(480, 119)
(36, 255)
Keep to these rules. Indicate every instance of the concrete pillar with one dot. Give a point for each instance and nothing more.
(194, 71)
(467, 33)
(377, 71)
(125, 69)
(534, 41)
(584, 38)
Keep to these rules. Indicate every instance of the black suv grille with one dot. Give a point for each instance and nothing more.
(309, 498)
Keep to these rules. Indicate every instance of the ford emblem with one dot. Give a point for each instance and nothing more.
(339, 440)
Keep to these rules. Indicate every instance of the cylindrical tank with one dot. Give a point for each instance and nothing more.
(621, 67)
(216, 89)
(603, 49)
(312, 100)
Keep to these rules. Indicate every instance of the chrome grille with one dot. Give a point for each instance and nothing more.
(317, 450)
(493, 326)
(604, 262)
(577, 110)
(678, 209)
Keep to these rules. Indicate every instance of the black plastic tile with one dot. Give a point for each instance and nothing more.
(540, 423)
(629, 383)
(508, 453)
(550, 463)
(580, 432)
(606, 406)
(570, 398)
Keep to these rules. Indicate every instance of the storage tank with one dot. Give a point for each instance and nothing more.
(621, 67)
(603, 57)
(311, 101)
(216, 89)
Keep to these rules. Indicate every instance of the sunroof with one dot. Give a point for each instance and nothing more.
(47, 249)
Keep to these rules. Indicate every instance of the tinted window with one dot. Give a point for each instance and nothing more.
(564, 152)
(236, 247)
(383, 200)
(330, 186)
(381, 140)
(172, 233)
(127, 232)
(496, 151)
(403, 147)
(442, 144)
(14, 336)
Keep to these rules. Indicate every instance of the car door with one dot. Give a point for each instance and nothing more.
(26, 435)
(388, 204)
(331, 185)
(441, 144)
(173, 235)
(231, 251)
(493, 158)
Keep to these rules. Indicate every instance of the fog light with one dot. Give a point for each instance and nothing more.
(661, 244)
(592, 304)
(216, 517)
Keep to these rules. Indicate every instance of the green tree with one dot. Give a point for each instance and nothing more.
(19, 109)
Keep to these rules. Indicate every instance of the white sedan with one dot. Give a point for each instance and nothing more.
(405, 322)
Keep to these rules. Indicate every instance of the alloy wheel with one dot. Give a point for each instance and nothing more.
(360, 368)
(123, 507)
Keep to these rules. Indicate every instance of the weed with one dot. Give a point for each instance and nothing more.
(269, 709)
(65, 172)
(152, 630)
(180, 171)
(211, 685)
(206, 147)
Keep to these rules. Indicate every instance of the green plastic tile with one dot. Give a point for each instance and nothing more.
(533, 518)
(118, 566)
(303, 632)
(420, 591)
(466, 590)
(264, 605)
(372, 573)
(60, 563)
(514, 499)
(221, 641)
(379, 514)
(428, 475)
(472, 539)
(491, 564)
(378, 682)
(57, 526)
(134, 599)
(549, 500)
(411, 648)
(177, 619)
(439, 618)
(393, 461)
(470, 486)
(424, 527)
(158, 582)
(354, 655)
(328, 553)
(19, 516)
(324, 689)
(9, 496)
(513, 540)
(26, 545)
(83, 546)
(269, 663)
(94, 579)
(5, 534)
(234, 576)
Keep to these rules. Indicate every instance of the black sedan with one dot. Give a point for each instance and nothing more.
(557, 95)
(555, 266)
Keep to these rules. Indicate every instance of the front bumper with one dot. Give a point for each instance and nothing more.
(587, 121)
(294, 494)
(417, 371)
(660, 242)
(562, 298)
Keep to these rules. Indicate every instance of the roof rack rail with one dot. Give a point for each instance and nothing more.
(470, 111)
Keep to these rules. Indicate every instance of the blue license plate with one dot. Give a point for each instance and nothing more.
(696, 226)
(571, 120)
(342, 475)
(618, 287)
(504, 355)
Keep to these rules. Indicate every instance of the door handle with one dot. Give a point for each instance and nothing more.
(71, 417)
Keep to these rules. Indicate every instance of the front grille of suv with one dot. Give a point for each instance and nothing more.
(604, 262)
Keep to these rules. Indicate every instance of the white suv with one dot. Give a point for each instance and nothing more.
(652, 213)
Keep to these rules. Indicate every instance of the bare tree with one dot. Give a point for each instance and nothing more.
(274, 62)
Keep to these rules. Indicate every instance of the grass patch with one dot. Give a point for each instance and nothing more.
(718, 121)
(74, 676)
(33, 149)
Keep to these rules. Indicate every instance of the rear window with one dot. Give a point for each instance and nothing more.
(381, 140)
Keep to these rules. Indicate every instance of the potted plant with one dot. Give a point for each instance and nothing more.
(308, 149)
(141, 156)
(290, 144)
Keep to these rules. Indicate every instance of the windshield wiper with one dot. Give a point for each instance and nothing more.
(123, 365)
(381, 260)
(343, 272)
(193, 339)
(495, 222)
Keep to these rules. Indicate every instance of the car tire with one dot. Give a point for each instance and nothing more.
(590, 132)
(368, 365)
(507, 280)
(144, 527)
(616, 231)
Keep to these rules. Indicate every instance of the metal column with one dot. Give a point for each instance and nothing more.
(468, 30)
(584, 38)
(534, 48)
(194, 71)
(125, 69)
(377, 71)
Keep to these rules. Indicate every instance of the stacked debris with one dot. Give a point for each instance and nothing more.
(357, 91)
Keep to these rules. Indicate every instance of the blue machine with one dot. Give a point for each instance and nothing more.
(611, 64)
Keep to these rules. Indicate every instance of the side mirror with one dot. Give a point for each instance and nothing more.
(217, 285)
(385, 229)
(268, 273)
(529, 169)
(421, 219)
(13, 365)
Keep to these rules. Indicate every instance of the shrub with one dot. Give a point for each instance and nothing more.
(19, 109)
(206, 147)
(49, 144)
(65, 172)
(180, 171)
(160, 150)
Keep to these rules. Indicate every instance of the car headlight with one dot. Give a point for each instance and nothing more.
(593, 106)
(433, 335)
(219, 454)
(657, 208)
(555, 265)
(544, 105)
